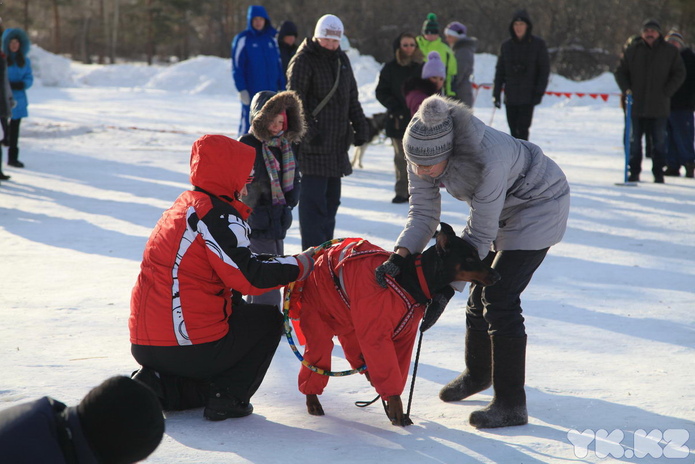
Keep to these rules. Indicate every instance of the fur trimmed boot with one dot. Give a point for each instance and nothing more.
(508, 407)
(478, 374)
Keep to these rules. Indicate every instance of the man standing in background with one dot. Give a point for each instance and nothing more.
(652, 70)
(256, 61)
(523, 67)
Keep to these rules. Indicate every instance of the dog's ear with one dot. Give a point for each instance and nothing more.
(445, 234)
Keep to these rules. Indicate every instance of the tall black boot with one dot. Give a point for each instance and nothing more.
(478, 374)
(12, 158)
(508, 407)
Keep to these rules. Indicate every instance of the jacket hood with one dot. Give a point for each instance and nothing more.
(221, 167)
(258, 10)
(15, 33)
(287, 28)
(521, 15)
(266, 105)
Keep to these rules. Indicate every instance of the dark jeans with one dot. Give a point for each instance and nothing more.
(497, 308)
(319, 200)
(519, 118)
(237, 362)
(680, 138)
(655, 132)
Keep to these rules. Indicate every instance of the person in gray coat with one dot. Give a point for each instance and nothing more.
(464, 50)
(519, 203)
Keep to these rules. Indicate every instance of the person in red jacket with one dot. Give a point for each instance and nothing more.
(199, 343)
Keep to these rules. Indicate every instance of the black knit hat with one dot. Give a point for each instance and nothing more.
(430, 26)
(651, 24)
(122, 420)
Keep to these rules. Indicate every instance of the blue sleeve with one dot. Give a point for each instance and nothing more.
(239, 62)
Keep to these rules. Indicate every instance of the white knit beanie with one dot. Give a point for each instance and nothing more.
(429, 138)
(329, 27)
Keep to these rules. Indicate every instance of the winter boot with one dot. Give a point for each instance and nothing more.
(150, 377)
(690, 169)
(221, 405)
(478, 374)
(508, 407)
(672, 171)
(13, 155)
(175, 393)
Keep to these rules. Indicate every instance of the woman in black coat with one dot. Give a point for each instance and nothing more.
(330, 131)
(406, 65)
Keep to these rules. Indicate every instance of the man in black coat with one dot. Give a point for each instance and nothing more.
(523, 67)
(652, 70)
(680, 122)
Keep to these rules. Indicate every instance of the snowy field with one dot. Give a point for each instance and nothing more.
(609, 314)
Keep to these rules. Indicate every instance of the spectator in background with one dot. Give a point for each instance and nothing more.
(680, 121)
(522, 71)
(277, 122)
(256, 61)
(464, 50)
(287, 42)
(199, 343)
(321, 74)
(15, 45)
(430, 41)
(652, 70)
(406, 65)
(430, 82)
(119, 421)
(6, 105)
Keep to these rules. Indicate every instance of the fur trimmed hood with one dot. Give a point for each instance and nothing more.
(266, 105)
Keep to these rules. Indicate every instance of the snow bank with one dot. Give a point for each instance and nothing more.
(49, 69)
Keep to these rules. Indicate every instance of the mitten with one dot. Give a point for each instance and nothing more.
(245, 97)
(391, 266)
(436, 307)
(497, 102)
(306, 261)
(17, 85)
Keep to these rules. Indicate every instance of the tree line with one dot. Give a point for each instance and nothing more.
(585, 38)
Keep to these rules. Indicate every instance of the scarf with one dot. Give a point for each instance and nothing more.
(279, 186)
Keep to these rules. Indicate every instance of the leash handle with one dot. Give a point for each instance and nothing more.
(364, 404)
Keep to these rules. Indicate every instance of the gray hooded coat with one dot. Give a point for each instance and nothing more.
(519, 198)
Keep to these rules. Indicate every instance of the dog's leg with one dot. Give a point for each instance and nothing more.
(394, 410)
(313, 405)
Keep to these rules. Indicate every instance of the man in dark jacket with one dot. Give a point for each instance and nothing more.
(652, 70)
(680, 122)
(522, 71)
(323, 156)
(287, 42)
(118, 422)
(389, 91)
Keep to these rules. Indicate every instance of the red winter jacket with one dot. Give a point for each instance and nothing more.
(198, 254)
(378, 327)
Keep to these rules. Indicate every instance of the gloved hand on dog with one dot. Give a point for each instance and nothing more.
(306, 259)
(436, 307)
(391, 266)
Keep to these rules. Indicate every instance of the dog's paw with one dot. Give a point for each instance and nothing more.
(313, 405)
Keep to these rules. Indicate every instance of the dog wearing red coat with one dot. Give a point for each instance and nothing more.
(376, 325)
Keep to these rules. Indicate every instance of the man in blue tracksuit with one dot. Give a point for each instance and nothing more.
(256, 63)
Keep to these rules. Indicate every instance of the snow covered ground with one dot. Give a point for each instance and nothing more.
(609, 314)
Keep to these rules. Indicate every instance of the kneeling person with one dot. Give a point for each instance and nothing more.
(199, 343)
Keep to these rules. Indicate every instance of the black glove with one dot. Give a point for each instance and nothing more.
(391, 266)
(436, 307)
(359, 142)
(497, 102)
(17, 85)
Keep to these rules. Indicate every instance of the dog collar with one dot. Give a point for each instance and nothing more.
(421, 277)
